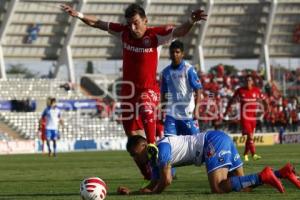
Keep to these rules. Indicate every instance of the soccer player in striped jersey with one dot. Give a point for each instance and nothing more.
(52, 116)
(179, 82)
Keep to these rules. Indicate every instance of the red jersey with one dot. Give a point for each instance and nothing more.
(43, 124)
(43, 128)
(140, 56)
(248, 100)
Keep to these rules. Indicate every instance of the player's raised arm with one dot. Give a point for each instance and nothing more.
(183, 29)
(87, 19)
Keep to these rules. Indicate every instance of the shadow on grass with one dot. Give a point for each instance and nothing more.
(164, 193)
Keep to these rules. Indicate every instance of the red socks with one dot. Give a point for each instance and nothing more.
(249, 146)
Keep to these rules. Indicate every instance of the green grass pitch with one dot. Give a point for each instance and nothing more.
(38, 177)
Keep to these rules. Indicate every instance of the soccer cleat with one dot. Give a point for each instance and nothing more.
(256, 157)
(246, 158)
(288, 172)
(267, 176)
(152, 153)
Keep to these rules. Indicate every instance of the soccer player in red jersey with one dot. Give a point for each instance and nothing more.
(140, 92)
(249, 97)
(42, 131)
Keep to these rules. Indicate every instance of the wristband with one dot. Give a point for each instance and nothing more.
(80, 15)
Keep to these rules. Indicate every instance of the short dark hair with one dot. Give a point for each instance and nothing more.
(249, 76)
(177, 44)
(134, 9)
(52, 100)
(133, 141)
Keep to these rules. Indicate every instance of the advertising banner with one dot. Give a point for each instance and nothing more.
(291, 138)
(5, 105)
(17, 147)
(77, 104)
(259, 139)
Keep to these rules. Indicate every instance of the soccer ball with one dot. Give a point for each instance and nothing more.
(93, 188)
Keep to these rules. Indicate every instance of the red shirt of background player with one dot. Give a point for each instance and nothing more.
(249, 97)
(43, 128)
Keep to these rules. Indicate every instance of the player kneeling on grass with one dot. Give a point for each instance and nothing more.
(214, 148)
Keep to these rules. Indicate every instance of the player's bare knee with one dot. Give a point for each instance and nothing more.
(221, 187)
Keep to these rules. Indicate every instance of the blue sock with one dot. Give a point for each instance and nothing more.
(48, 145)
(277, 174)
(240, 182)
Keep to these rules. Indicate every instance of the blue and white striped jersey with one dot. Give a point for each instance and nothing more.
(52, 115)
(180, 84)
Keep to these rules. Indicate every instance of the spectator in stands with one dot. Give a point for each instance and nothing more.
(14, 105)
(293, 114)
(281, 118)
(99, 108)
(259, 121)
(67, 86)
(249, 96)
(203, 114)
(117, 112)
(273, 117)
(213, 87)
(233, 120)
(29, 105)
(32, 105)
(281, 133)
(213, 110)
(140, 59)
(32, 33)
(53, 118)
(180, 81)
(25, 105)
(298, 117)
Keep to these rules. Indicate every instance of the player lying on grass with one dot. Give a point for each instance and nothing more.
(214, 148)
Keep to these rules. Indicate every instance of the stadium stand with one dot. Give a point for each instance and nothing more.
(234, 29)
(36, 89)
(77, 125)
(5, 132)
(81, 124)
